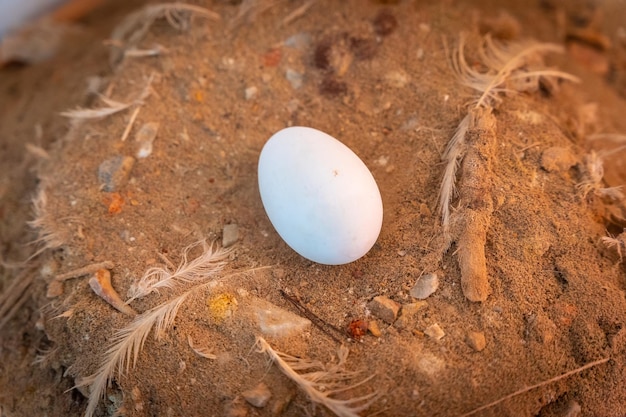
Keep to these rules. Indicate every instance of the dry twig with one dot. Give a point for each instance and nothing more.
(85, 270)
(541, 384)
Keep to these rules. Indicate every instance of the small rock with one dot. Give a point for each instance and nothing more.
(300, 40)
(557, 159)
(374, 328)
(251, 92)
(425, 286)
(476, 340)
(274, 321)
(434, 331)
(295, 78)
(384, 308)
(230, 235)
(145, 137)
(258, 396)
(114, 172)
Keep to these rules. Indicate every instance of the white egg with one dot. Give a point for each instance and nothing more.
(320, 197)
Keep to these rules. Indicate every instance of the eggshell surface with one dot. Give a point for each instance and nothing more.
(320, 197)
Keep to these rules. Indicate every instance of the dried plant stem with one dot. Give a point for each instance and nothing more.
(85, 270)
(317, 321)
(541, 384)
(130, 124)
(299, 12)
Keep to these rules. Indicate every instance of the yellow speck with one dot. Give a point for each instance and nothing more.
(222, 306)
(198, 95)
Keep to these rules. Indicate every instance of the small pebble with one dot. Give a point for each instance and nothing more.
(295, 78)
(434, 331)
(230, 235)
(258, 396)
(274, 321)
(384, 308)
(476, 340)
(374, 328)
(557, 159)
(251, 92)
(114, 172)
(300, 40)
(425, 286)
(145, 137)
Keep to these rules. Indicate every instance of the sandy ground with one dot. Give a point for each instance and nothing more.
(377, 76)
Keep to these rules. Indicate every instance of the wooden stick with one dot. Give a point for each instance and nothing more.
(319, 322)
(541, 384)
(86, 270)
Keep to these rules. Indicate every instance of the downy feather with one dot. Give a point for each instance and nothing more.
(322, 383)
(201, 268)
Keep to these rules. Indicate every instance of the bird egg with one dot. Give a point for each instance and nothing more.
(319, 196)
